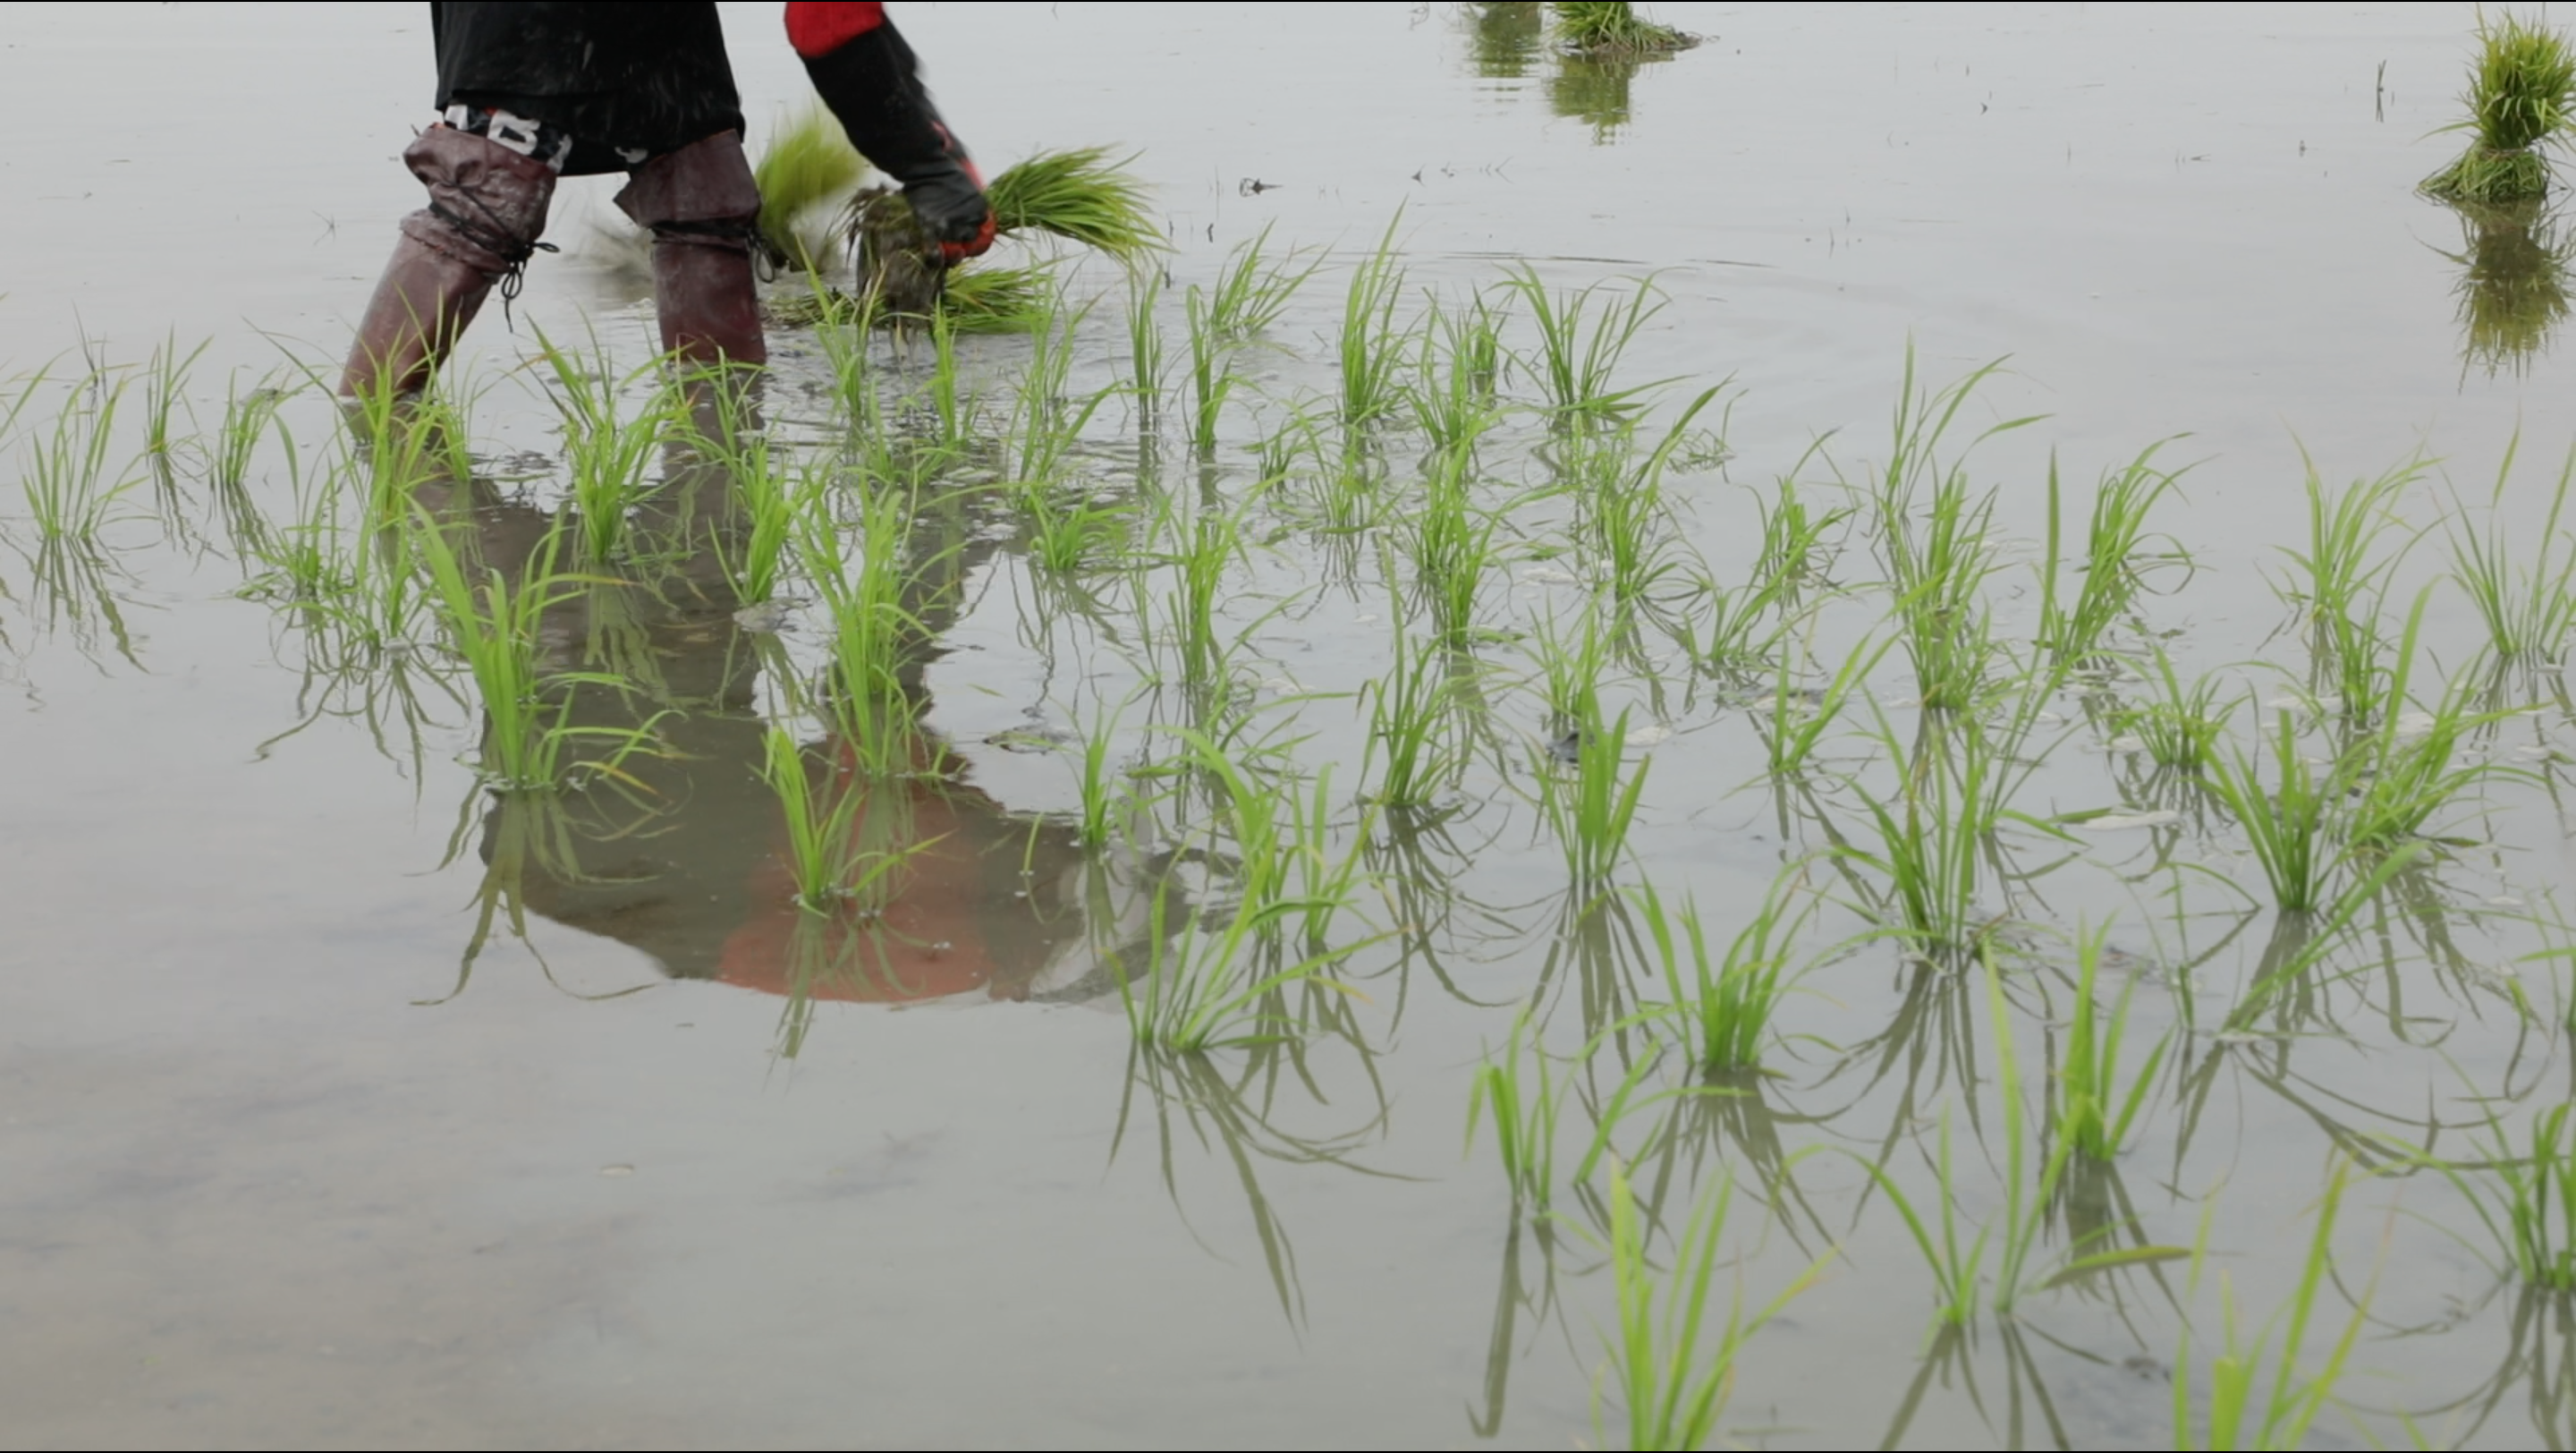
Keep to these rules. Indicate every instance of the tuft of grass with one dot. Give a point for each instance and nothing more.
(1613, 27)
(71, 488)
(1412, 744)
(2521, 100)
(2179, 727)
(1591, 800)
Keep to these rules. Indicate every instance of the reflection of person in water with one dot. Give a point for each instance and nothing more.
(695, 876)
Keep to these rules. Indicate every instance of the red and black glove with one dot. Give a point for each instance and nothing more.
(868, 76)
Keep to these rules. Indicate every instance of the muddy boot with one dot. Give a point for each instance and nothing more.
(704, 210)
(487, 204)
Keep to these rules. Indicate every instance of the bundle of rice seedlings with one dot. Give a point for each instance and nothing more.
(2521, 98)
(808, 163)
(1613, 27)
(1079, 195)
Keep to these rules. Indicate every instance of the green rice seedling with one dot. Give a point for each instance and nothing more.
(950, 405)
(2180, 725)
(2072, 630)
(1938, 572)
(1625, 526)
(1612, 27)
(1933, 838)
(1725, 1009)
(2529, 608)
(1211, 545)
(1325, 882)
(1675, 1370)
(868, 598)
(247, 420)
(1740, 629)
(1452, 547)
(2341, 577)
(2527, 1205)
(1068, 537)
(1590, 799)
(1526, 1102)
(2242, 1412)
(1212, 375)
(1102, 791)
(12, 405)
(2289, 827)
(1145, 365)
(1080, 195)
(493, 624)
(1371, 345)
(1798, 720)
(754, 545)
(993, 299)
(2015, 1236)
(1580, 348)
(2406, 768)
(1793, 535)
(165, 385)
(1414, 751)
(1459, 362)
(807, 165)
(2094, 1110)
(2522, 101)
(1251, 291)
(846, 845)
(1045, 422)
(1204, 982)
(608, 448)
(71, 488)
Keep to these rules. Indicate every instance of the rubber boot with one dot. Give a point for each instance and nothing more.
(704, 210)
(487, 206)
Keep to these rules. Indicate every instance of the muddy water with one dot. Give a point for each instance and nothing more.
(274, 1176)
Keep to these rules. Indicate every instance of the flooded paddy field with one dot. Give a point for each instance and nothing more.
(1857, 736)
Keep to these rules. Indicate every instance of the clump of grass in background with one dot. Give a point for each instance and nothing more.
(2521, 99)
(1613, 27)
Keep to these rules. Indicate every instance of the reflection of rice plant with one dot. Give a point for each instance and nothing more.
(2513, 282)
(2243, 1412)
(2521, 99)
(1613, 26)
